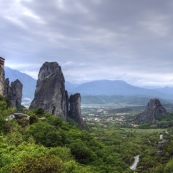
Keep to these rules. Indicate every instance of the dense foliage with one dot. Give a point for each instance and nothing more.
(129, 142)
(165, 121)
(44, 143)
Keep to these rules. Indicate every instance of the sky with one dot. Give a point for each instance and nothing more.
(128, 40)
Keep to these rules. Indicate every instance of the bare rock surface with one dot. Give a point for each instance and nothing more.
(1, 80)
(75, 109)
(20, 115)
(50, 91)
(153, 109)
(13, 92)
(2, 76)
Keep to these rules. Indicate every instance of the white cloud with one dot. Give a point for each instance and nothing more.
(33, 74)
(157, 25)
(69, 63)
(91, 40)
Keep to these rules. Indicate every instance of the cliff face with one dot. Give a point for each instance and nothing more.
(153, 109)
(50, 91)
(50, 94)
(13, 92)
(1, 80)
(75, 109)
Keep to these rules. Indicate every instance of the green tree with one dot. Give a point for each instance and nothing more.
(81, 152)
(45, 164)
(44, 134)
(2, 124)
(39, 111)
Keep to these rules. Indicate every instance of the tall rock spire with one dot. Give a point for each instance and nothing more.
(153, 109)
(13, 92)
(2, 85)
(50, 91)
(75, 109)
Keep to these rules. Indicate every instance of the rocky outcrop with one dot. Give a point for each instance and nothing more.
(13, 92)
(75, 109)
(161, 145)
(153, 109)
(50, 91)
(50, 94)
(20, 116)
(2, 85)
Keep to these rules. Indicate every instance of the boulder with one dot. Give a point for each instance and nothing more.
(153, 109)
(20, 115)
(43, 119)
(50, 93)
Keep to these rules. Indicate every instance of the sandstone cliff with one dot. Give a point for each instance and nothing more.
(13, 92)
(50, 91)
(153, 109)
(75, 109)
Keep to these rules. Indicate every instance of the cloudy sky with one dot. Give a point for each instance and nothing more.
(128, 40)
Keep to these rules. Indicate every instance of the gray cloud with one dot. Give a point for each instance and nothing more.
(103, 39)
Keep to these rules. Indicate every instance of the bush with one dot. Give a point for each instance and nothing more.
(40, 111)
(55, 121)
(32, 119)
(2, 124)
(82, 153)
(45, 164)
(45, 134)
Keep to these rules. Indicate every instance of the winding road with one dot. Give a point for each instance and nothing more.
(133, 167)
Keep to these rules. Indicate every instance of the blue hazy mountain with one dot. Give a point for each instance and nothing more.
(29, 84)
(70, 87)
(117, 87)
(166, 90)
(100, 87)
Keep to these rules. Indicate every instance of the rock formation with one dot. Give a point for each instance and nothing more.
(20, 116)
(75, 109)
(50, 94)
(153, 109)
(2, 76)
(50, 91)
(161, 145)
(13, 92)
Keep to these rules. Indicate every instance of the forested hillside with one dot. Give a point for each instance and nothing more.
(44, 143)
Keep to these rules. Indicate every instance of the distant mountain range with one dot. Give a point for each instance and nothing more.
(118, 87)
(167, 90)
(94, 88)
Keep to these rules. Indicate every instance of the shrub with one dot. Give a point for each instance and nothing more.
(45, 164)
